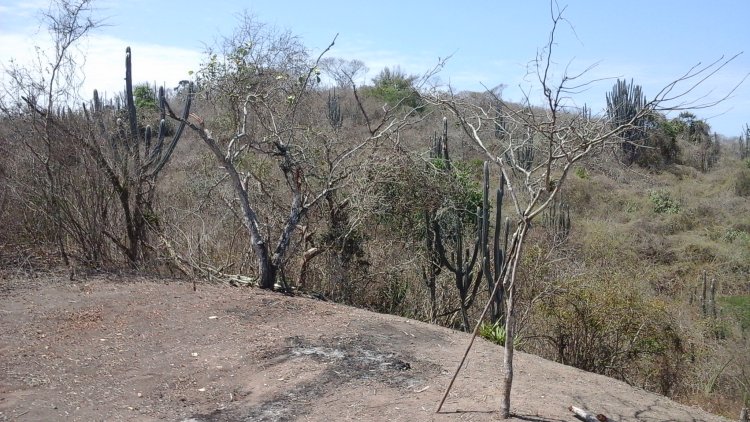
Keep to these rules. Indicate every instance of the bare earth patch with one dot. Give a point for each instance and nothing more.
(134, 349)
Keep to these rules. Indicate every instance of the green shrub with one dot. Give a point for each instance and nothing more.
(493, 332)
(396, 88)
(145, 99)
(731, 234)
(739, 307)
(663, 203)
(496, 333)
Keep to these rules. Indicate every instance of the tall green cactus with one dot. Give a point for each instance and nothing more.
(335, 117)
(557, 219)
(463, 257)
(493, 273)
(624, 104)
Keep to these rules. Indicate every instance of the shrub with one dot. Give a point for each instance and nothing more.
(612, 327)
(145, 99)
(661, 148)
(742, 183)
(663, 203)
(396, 88)
(739, 307)
(493, 332)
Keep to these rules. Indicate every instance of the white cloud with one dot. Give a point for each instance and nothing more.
(103, 61)
(21, 11)
(152, 63)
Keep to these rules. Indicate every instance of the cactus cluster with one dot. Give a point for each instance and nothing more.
(624, 104)
(522, 156)
(744, 142)
(461, 261)
(557, 220)
(136, 159)
(334, 110)
(156, 152)
(708, 296)
(525, 157)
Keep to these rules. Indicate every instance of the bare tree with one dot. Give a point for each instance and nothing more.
(128, 158)
(51, 83)
(263, 79)
(560, 134)
(92, 155)
(344, 72)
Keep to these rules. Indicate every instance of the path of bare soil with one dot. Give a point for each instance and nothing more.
(134, 349)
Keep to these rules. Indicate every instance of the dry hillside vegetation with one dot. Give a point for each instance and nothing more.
(614, 241)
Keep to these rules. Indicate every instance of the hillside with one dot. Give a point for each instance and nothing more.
(126, 348)
(620, 238)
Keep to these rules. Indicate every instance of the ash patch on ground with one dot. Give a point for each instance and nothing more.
(359, 358)
(348, 361)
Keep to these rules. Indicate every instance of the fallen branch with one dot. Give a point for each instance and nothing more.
(587, 416)
(190, 268)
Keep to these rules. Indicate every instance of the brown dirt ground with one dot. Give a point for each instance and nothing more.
(134, 349)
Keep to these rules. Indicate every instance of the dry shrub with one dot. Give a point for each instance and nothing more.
(609, 324)
(654, 248)
(742, 183)
(719, 377)
(698, 250)
(606, 244)
(682, 172)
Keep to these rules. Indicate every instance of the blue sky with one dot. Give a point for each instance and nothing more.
(491, 42)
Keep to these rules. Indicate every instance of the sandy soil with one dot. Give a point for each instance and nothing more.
(133, 349)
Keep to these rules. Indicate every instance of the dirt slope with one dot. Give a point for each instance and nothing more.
(127, 349)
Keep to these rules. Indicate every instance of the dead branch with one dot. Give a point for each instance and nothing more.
(587, 416)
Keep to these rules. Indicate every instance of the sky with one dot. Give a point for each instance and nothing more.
(488, 42)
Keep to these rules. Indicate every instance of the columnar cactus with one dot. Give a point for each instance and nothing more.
(133, 173)
(493, 274)
(334, 110)
(624, 104)
(463, 258)
(557, 219)
(708, 297)
(745, 143)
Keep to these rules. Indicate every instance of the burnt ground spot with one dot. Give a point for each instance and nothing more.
(347, 361)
